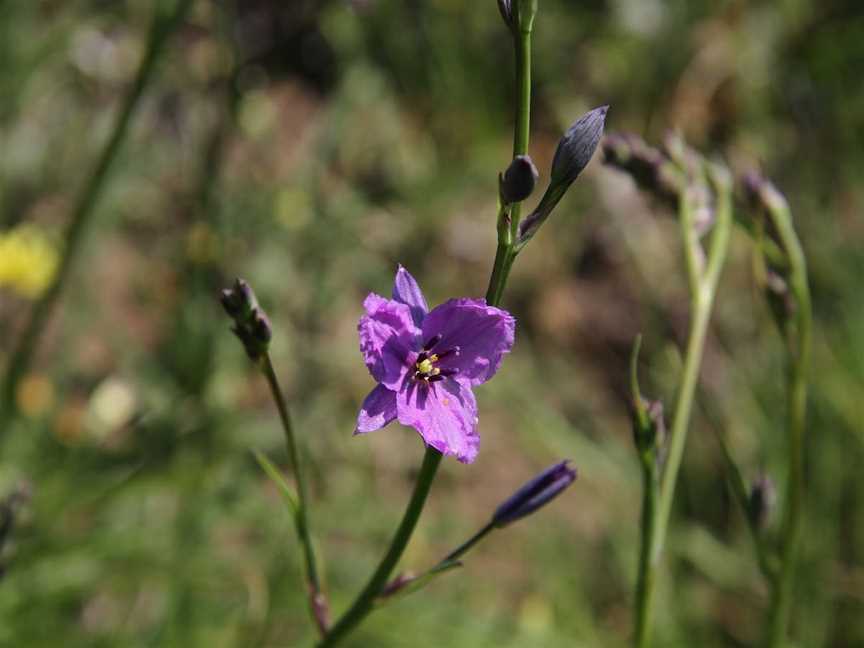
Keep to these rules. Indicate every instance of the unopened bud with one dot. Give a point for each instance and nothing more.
(763, 498)
(577, 146)
(651, 169)
(504, 6)
(572, 155)
(251, 324)
(519, 180)
(649, 431)
(534, 494)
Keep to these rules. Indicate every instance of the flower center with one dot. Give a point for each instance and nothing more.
(425, 368)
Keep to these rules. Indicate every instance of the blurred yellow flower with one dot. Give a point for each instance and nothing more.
(28, 260)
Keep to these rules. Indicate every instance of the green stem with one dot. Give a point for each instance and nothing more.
(19, 363)
(462, 549)
(645, 580)
(703, 291)
(301, 517)
(365, 601)
(508, 215)
(508, 221)
(781, 598)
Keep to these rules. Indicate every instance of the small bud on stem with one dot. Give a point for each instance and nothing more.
(534, 494)
(519, 180)
(574, 151)
(251, 324)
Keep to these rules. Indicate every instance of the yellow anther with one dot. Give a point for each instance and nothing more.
(425, 366)
(436, 371)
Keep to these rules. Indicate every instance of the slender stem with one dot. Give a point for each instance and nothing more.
(462, 549)
(365, 601)
(508, 218)
(799, 351)
(703, 291)
(645, 579)
(522, 127)
(504, 258)
(301, 518)
(163, 26)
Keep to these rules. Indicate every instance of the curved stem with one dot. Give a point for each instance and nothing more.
(365, 601)
(19, 363)
(301, 519)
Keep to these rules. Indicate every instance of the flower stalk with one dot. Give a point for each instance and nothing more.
(366, 599)
(252, 328)
(703, 281)
(505, 254)
(795, 324)
(317, 599)
(165, 22)
(508, 214)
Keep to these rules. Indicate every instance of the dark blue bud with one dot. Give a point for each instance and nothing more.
(535, 493)
(763, 498)
(572, 155)
(519, 180)
(506, 12)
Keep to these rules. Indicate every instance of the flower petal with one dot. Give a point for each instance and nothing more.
(387, 338)
(445, 415)
(377, 410)
(483, 334)
(406, 291)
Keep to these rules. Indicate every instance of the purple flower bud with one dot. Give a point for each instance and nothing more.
(518, 181)
(261, 326)
(651, 169)
(535, 493)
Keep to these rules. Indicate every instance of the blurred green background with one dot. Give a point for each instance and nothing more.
(310, 147)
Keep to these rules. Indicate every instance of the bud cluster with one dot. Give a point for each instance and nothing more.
(669, 173)
(766, 205)
(251, 324)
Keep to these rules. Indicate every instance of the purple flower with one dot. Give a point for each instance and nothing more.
(426, 362)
